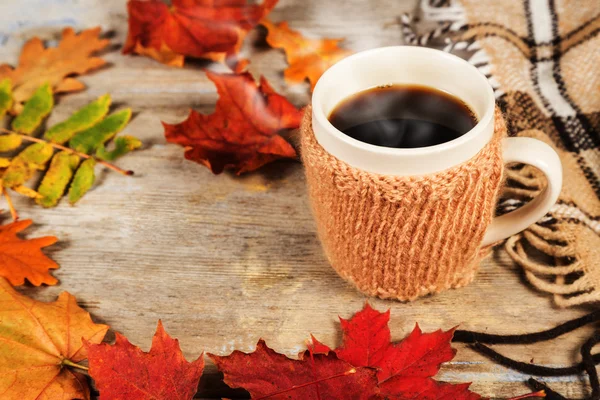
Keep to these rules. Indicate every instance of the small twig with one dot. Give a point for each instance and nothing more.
(70, 363)
(540, 393)
(61, 147)
(550, 394)
(590, 365)
(531, 369)
(11, 207)
(463, 336)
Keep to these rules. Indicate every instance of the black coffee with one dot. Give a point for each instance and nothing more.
(403, 116)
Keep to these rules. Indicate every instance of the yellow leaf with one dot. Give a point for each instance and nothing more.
(57, 178)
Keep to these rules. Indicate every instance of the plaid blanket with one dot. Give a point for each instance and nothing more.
(543, 59)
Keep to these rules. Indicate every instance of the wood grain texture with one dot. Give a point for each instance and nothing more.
(224, 260)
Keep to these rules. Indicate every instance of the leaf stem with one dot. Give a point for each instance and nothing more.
(349, 372)
(64, 148)
(11, 207)
(550, 394)
(540, 393)
(70, 363)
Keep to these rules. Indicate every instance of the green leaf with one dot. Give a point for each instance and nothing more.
(6, 99)
(83, 180)
(34, 111)
(57, 178)
(24, 165)
(82, 119)
(94, 137)
(10, 142)
(123, 145)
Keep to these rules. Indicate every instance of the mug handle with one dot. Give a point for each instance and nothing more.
(540, 155)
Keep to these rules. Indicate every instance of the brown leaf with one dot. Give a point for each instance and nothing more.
(39, 65)
(242, 133)
(197, 28)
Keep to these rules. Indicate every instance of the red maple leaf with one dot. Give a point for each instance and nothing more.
(242, 133)
(211, 29)
(267, 374)
(405, 369)
(123, 371)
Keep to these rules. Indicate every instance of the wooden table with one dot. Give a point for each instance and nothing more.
(225, 260)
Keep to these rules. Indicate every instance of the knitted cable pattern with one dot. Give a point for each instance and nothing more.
(403, 237)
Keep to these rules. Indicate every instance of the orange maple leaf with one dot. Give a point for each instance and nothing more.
(23, 259)
(39, 342)
(242, 133)
(308, 58)
(162, 373)
(212, 29)
(53, 65)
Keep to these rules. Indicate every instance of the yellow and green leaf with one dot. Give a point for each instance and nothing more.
(4, 162)
(123, 145)
(34, 111)
(83, 180)
(24, 165)
(81, 120)
(6, 98)
(91, 139)
(10, 142)
(57, 178)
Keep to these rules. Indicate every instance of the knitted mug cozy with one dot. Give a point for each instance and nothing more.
(402, 237)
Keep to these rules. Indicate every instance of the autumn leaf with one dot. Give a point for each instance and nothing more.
(197, 28)
(404, 369)
(267, 374)
(39, 345)
(23, 259)
(307, 58)
(123, 371)
(242, 133)
(54, 65)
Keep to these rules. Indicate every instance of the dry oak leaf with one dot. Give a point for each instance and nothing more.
(307, 58)
(39, 343)
(53, 65)
(404, 369)
(267, 374)
(213, 29)
(123, 371)
(23, 259)
(242, 133)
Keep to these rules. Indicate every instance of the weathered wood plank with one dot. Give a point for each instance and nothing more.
(224, 260)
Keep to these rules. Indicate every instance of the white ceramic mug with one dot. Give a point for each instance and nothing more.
(443, 71)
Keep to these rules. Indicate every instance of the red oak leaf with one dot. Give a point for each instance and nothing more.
(242, 133)
(211, 29)
(123, 371)
(265, 373)
(405, 369)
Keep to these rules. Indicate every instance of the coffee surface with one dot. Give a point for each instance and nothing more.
(403, 116)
